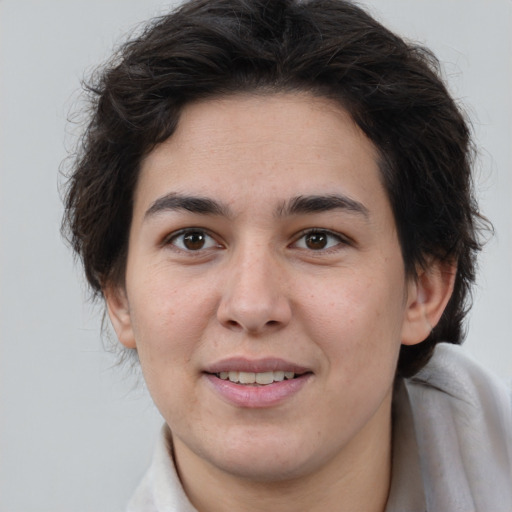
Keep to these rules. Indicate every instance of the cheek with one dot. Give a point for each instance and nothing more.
(168, 329)
(357, 328)
(168, 318)
(357, 322)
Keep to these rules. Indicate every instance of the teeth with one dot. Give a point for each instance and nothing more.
(279, 376)
(265, 378)
(256, 378)
(246, 378)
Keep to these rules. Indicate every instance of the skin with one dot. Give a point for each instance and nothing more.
(247, 279)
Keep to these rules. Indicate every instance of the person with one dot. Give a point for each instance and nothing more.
(275, 201)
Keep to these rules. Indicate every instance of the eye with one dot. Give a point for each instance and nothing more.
(319, 240)
(192, 240)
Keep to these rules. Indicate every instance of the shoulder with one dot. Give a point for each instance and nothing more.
(462, 417)
(452, 372)
(161, 490)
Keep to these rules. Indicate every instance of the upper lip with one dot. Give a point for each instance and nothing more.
(242, 364)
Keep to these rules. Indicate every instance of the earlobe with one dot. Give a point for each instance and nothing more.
(428, 295)
(119, 313)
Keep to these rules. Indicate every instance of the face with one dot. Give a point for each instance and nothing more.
(265, 289)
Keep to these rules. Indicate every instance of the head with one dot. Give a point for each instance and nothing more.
(327, 49)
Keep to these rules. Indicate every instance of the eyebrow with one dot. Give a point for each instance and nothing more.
(294, 206)
(322, 203)
(194, 204)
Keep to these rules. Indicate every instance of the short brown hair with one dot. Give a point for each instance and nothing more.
(330, 48)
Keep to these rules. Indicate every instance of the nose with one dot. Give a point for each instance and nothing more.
(254, 295)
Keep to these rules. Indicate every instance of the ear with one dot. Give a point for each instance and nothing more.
(428, 295)
(119, 312)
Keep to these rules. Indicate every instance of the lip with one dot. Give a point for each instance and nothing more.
(250, 396)
(242, 364)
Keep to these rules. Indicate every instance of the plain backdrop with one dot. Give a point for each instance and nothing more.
(76, 433)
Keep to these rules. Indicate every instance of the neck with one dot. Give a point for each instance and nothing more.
(357, 479)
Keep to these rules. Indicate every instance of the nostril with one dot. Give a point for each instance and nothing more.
(254, 310)
(233, 324)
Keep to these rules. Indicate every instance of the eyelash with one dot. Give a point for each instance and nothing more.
(173, 237)
(340, 240)
(213, 243)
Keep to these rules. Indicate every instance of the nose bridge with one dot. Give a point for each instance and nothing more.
(254, 294)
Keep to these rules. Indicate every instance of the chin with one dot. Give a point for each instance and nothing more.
(268, 469)
(273, 457)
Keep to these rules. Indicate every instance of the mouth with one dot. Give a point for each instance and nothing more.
(257, 384)
(257, 378)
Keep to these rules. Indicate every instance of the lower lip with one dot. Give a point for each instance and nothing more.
(254, 397)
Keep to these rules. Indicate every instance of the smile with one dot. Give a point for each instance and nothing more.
(256, 383)
(261, 389)
(253, 378)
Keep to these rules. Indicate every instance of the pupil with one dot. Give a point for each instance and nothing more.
(316, 240)
(194, 241)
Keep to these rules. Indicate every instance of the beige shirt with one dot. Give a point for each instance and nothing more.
(452, 445)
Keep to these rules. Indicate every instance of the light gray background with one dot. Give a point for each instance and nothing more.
(75, 436)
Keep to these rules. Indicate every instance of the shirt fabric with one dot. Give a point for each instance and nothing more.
(452, 445)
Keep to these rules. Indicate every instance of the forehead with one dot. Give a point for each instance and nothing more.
(262, 147)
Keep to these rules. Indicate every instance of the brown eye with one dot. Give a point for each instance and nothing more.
(193, 240)
(316, 241)
(320, 240)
